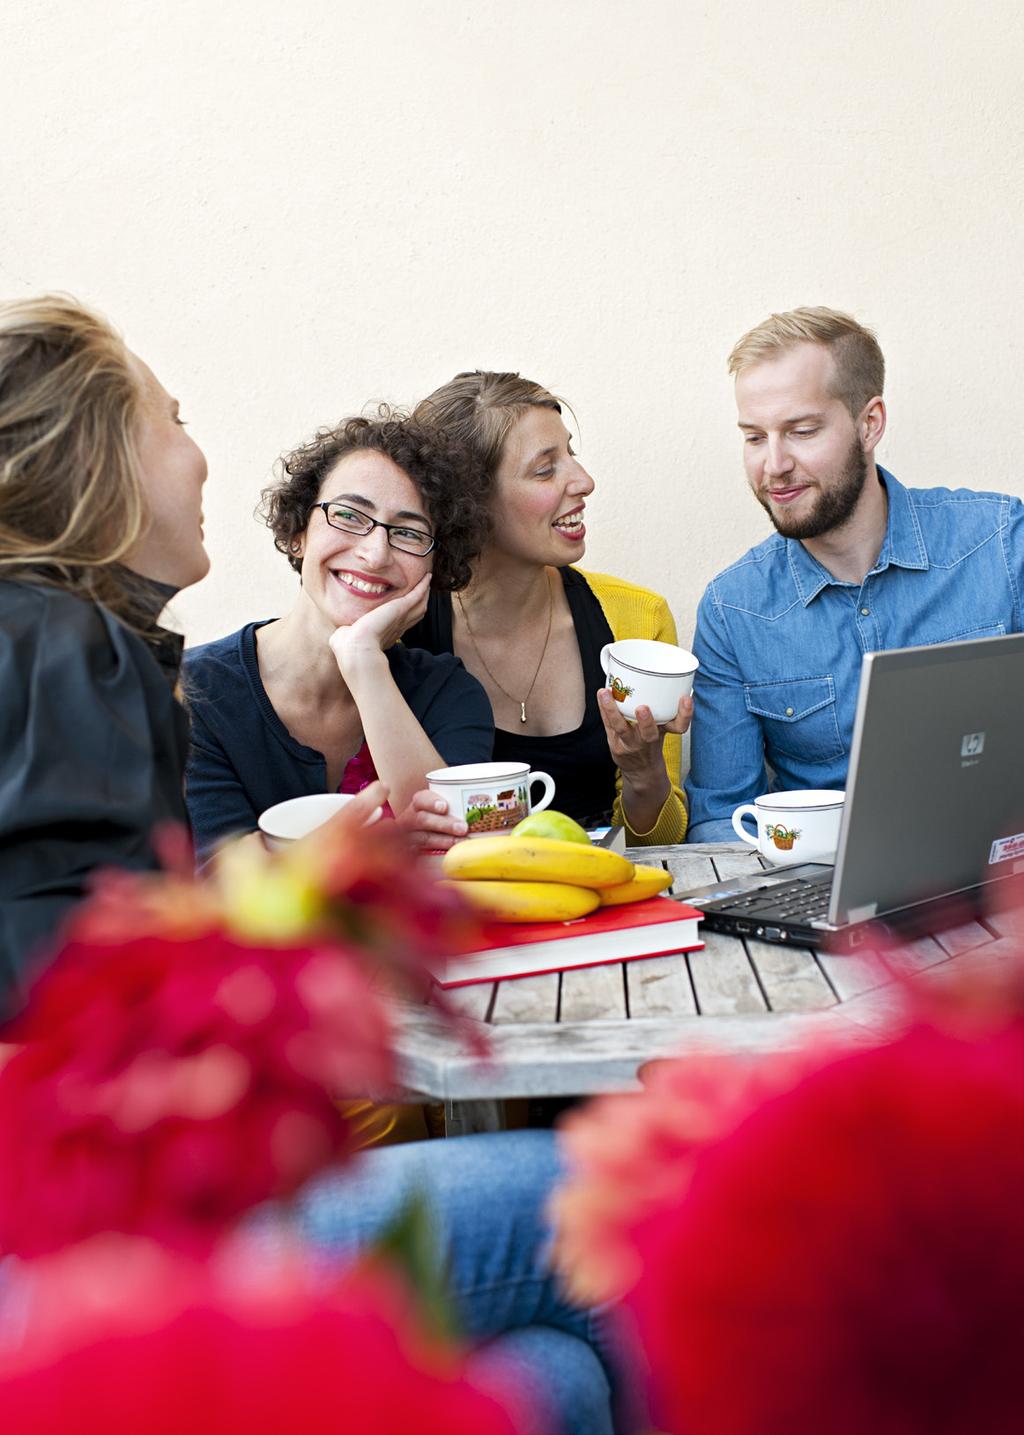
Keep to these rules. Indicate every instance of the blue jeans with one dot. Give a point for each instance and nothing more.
(486, 1195)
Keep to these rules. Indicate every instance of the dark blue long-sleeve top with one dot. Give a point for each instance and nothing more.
(243, 759)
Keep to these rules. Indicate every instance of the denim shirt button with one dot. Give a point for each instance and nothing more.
(864, 612)
(789, 712)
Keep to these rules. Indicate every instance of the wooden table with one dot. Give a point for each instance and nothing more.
(588, 1030)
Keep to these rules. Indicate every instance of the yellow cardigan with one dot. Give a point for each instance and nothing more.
(634, 612)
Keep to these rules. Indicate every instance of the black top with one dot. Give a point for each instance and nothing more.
(244, 759)
(579, 761)
(92, 751)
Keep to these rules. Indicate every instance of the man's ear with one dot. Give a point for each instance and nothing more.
(871, 424)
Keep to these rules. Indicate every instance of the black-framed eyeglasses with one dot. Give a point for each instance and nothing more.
(353, 520)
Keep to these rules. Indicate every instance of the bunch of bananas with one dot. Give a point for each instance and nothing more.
(543, 879)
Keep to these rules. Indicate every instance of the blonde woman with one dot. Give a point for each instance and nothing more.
(100, 524)
(530, 625)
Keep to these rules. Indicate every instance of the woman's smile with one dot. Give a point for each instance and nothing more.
(571, 524)
(364, 585)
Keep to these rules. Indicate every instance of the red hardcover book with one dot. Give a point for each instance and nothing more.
(652, 928)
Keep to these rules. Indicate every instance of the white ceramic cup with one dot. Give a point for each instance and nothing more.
(490, 796)
(793, 826)
(644, 673)
(286, 822)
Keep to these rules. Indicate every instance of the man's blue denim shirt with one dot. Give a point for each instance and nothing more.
(780, 641)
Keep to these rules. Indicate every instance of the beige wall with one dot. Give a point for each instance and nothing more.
(293, 208)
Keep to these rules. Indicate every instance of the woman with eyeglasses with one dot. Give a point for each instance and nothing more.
(371, 515)
(530, 625)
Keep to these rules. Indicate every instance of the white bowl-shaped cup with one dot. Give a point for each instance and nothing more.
(286, 822)
(799, 826)
(490, 796)
(642, 672)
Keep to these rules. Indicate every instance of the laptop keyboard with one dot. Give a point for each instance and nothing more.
(801, 901)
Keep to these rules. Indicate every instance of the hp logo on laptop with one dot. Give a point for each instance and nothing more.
(972, 744)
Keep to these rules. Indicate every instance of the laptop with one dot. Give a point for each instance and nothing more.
(934, 810)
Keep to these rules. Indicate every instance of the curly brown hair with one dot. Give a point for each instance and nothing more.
(439, 464)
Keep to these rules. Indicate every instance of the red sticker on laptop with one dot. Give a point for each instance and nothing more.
(1006, 848)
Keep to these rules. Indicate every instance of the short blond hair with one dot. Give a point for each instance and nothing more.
(859, 367)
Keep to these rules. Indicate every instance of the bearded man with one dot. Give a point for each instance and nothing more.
(858, 563)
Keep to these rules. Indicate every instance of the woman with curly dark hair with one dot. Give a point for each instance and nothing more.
(370, 514)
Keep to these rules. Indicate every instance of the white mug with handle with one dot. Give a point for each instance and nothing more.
(800, 826)
(642, 672)
(491, 796)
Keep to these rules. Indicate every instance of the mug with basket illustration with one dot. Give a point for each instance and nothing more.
(801, 826)
(641, 672)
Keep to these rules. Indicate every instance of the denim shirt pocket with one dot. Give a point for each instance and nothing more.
(958, 632)
(798, 716)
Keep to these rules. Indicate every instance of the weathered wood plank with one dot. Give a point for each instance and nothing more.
(736, 864)
(852, 973)
(593, 994)
(526, 999)
(707, 849)
(690, 869)
(1000, 956)
(889, 1007)
(474, 1001)
(916, 954)
(791, 978)
(723, 978)
(660, 986)
(909, 954)
(581, 1058)
(1007, 917)
(855, 973)
(964, 938)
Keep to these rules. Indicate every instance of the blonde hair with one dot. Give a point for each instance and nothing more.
(71, 500)
(479, 408)
(859, 367)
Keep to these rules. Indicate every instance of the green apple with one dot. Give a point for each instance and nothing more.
(550, 824)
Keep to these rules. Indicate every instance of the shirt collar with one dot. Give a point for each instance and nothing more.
(904, 541)
(146, 601)
(903, 545)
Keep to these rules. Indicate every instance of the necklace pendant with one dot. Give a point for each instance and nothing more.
(522, 712)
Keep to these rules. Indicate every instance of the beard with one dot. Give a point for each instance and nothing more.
(834, 504)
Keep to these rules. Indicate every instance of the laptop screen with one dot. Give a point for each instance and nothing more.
(935, 793)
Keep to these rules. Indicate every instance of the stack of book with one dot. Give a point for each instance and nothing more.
(653, 928)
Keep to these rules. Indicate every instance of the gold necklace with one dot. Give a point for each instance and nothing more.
(540, 662)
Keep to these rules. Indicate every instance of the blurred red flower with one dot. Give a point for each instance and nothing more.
(634, 1153)
(123, 1338)
(164, 1085)
(850, 1256)
(180, 1059)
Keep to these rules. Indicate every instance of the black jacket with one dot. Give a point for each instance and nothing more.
(92, 754)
